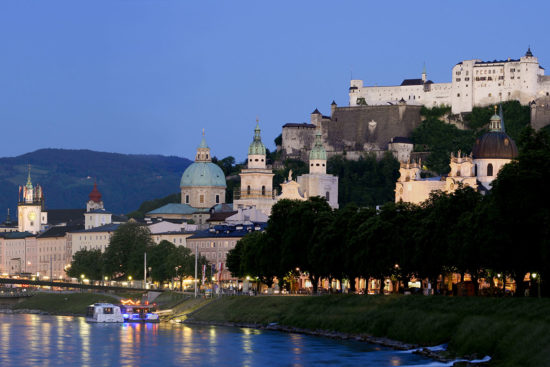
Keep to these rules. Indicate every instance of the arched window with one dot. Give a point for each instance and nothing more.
(248, 190)
(327, 196)
(263, 190)
(489, 169)
(186, 199)
(475, 170)
(217, 199)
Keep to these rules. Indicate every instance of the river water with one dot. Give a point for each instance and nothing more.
(37, 340)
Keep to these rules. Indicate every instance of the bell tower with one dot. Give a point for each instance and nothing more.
(30, 207)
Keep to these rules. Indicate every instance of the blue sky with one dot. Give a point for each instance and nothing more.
(147, 76)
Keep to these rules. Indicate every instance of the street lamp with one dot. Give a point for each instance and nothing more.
(534, 276)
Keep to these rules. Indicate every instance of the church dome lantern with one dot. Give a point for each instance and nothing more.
(203, 172)
(257, 147)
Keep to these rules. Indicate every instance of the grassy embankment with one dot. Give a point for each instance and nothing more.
(515, 332)
(64, 303)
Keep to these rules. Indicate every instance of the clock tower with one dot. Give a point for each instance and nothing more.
(30, 207)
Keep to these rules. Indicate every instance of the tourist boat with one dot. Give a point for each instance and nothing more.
(103, 312)
(135, 312)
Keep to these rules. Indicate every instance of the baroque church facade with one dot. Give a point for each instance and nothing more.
(477, 170)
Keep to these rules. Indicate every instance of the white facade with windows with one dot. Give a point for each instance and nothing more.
(474, 83)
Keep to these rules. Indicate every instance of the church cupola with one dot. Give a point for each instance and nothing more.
(529, 53)
(256, 150)
(95, 201)
(203, 151)
(318, 156)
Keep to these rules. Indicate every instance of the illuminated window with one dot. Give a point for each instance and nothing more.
(201, 199)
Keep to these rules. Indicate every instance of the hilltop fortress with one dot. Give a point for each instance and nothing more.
(474, 83)
(380, 119)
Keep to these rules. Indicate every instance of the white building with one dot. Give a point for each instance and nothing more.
(317, 182)
(96, 215)
(474, 83)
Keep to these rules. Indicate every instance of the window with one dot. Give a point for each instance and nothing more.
(186, 199)
(263, 190)
(217, 199)
(457, 79)
(327, 196)
(458, 94)
(201, 199)
(248, 190)
(489, 169)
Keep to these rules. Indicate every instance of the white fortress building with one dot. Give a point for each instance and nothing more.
(474, 83)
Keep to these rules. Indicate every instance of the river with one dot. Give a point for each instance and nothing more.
(38, 340)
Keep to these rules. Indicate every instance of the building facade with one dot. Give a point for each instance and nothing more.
(478, 170)
(257, 179)
(474, 83)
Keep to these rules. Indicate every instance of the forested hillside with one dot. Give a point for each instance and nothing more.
(67, 177)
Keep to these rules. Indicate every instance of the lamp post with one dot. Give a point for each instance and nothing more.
(535, 276)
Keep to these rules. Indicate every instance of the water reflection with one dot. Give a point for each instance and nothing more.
(32, 340)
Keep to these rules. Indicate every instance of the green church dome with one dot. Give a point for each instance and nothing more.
(257, 147)
(203, 174)
(318, 151)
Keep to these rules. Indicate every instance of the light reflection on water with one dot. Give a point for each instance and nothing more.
(33, 340)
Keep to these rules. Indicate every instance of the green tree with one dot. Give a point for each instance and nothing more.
(124, 255)
(87, 262)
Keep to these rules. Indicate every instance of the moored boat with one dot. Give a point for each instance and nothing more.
(136, 312)
(104, 312)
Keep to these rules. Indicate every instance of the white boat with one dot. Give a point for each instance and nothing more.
(103, 312)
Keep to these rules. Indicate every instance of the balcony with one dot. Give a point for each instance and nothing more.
(254, 194)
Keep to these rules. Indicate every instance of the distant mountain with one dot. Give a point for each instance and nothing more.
(67, 177)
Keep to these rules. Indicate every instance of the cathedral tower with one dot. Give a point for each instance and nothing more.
(30, 207)
(256, 179)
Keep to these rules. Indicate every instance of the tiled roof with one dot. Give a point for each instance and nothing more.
(15, 235)
(400, 139)
(111, 227)
(415, 82)
(60, 231)
(174, 208)
(303, 124)
(58, 216)
(223, 231)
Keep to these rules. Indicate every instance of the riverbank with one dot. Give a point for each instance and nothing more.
(514, 332)
(66, 304)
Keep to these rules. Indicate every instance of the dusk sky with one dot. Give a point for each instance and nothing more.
(147, 76)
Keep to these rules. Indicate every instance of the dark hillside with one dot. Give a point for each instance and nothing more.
(67, 177)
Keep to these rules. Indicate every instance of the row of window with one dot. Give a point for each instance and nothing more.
(201, 199)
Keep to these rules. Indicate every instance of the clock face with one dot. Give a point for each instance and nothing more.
(32, 216)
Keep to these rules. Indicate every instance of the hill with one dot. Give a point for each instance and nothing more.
(67, 177)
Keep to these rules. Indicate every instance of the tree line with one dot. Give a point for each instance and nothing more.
(124, 258)
(505, 232)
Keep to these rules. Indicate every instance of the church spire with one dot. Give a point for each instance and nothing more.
(29, 182)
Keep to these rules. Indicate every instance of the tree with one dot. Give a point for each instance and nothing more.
(87, 262)
(124, 255)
